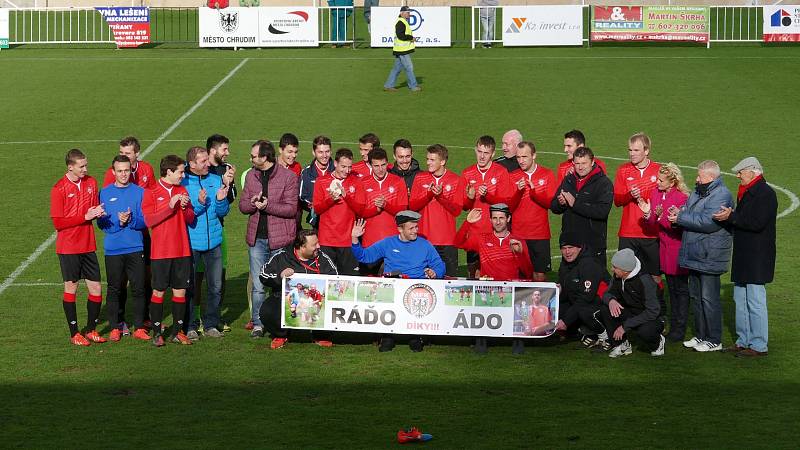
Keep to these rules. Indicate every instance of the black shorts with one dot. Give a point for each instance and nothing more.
(646, 249)
(79, 266)
(539, 251)
(146, 241)
(172, 273)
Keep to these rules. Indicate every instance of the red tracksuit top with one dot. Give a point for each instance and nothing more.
(143, 176)
(296, 168)
(439, 213)
(628, 176)
(168, 234)
(566, 167)
(361, 169)
(336, 217)
(495, 178)
(68, 205)
(381, 224)
(497, 259)
(529, 207)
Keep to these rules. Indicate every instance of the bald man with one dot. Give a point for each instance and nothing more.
(511, 140)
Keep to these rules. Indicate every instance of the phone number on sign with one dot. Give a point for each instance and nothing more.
(677, 26)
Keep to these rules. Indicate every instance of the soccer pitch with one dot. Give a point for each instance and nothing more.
(722, 103)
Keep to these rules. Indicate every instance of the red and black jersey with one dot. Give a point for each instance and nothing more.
(497, 259)
(495, 178)
(169, 237)
(380, 223)
(69, 201)
(142, 176)
(529, 207)
(439, 212)
(336, 217)
(567, 167)
(629, 176)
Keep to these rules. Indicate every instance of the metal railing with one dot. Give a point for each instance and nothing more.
(337, 25)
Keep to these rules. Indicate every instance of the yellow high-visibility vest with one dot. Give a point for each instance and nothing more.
(399, 45)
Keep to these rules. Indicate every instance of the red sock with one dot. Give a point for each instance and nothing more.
(154, 299)
(95, 298)
(177, 299)
(69, 297)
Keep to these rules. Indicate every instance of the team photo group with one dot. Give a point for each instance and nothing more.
(380, 212)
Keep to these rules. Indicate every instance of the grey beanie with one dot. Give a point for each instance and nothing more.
(624, 259)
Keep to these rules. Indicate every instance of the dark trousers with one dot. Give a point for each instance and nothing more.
(449, 255)
(704, 293)
(343, 257)
(649, 332)
(678, 304)
(583, 313)
(120, 270)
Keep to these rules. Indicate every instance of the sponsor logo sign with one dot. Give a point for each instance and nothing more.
(782, 23)
(228, 27)
(131, 26)
(430, 26)
(542, 25)
(651, 23)
(259, 27)
(3, 28)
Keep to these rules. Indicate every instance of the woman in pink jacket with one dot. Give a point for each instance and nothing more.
(671, 193)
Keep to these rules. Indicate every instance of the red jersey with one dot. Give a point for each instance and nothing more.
(628, 176)
(439, 212)
(142, 176)
(336, 217)
(169, 237)
(361, 169)
(295, 167)
(497, 259)
(380, 223)
(567, 167)
(495, 178)
(529, 207)
(69, 202)
(540, 315)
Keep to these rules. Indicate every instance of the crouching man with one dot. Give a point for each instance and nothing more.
(631, 304)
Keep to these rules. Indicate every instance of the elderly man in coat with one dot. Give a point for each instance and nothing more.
(706, 252)
(753, 225)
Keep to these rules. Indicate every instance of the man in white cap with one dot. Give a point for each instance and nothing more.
(753, 225)
(632, 305)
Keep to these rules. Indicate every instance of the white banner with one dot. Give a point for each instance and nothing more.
(3, 28)
(259, 27)
(288, 27)
(228, 27)
(430, 26)
(782, 23)
(422, 307)
(542, 25)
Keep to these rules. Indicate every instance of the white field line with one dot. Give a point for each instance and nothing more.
(477, 56)
(43, 246)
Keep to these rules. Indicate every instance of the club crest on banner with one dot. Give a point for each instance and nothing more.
(229, 21)
(419, 300)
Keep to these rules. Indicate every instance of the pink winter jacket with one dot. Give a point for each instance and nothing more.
(281, 209)
(669, 235)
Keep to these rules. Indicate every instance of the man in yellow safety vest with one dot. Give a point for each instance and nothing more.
(402, 50)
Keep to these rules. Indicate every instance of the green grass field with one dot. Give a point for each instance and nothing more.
(724, 103)
(384, 293)
(347, 295)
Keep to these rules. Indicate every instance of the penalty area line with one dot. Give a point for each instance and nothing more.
(50, 239)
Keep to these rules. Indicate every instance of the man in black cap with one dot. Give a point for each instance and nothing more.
(404, 255)
(631, 303)
(583, 282)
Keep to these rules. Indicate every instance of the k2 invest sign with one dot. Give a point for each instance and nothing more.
(259, 27)
(430, 26)
(542, 25)
(407, 306)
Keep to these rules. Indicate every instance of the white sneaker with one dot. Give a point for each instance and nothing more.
(692, 343)
(706, 346)
(192, 335)
(660, 350)
(621, 350)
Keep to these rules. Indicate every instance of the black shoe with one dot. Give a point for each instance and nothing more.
(517, 347)
(416, 344)
(387, 344)
(481, 346)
